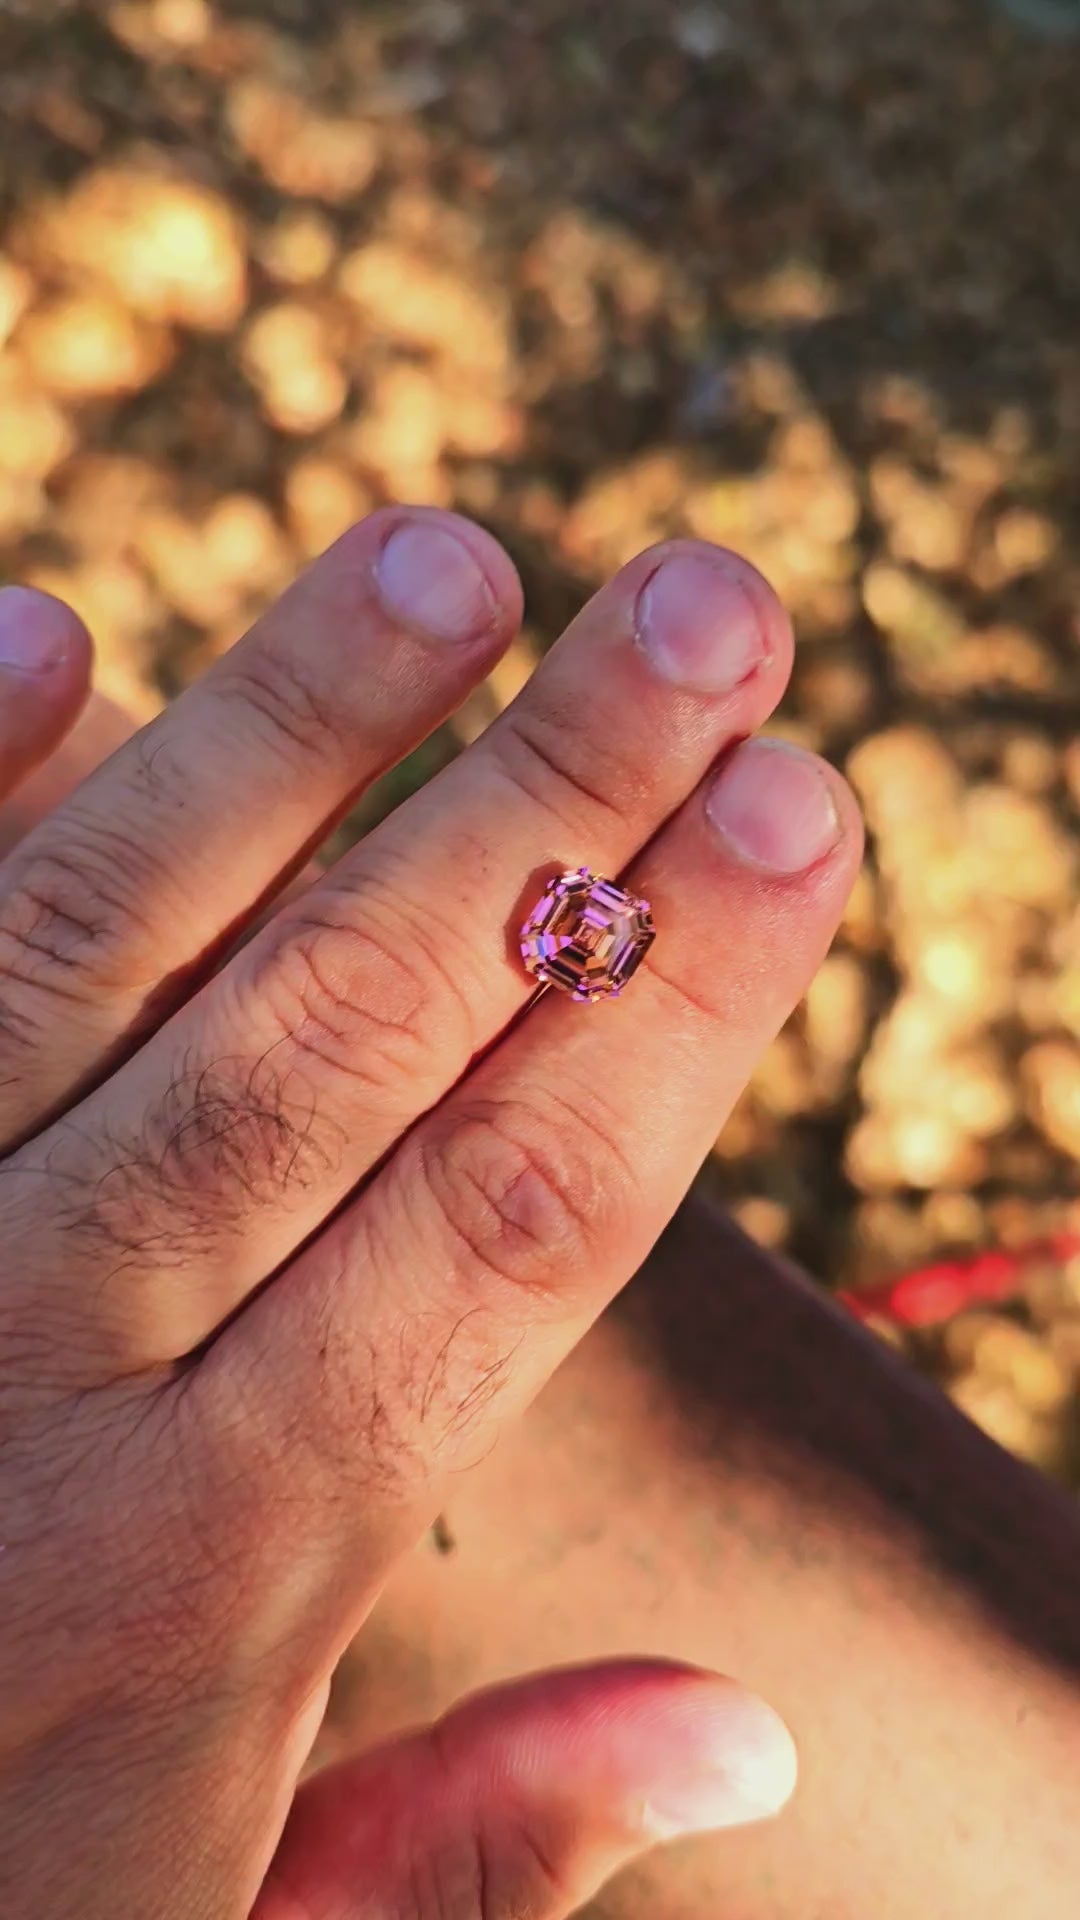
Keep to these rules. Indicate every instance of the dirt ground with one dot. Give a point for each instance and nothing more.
(798, 275)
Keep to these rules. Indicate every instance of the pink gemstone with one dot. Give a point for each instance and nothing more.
(586, 936)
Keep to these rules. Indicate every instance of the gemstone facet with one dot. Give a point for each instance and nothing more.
(586, 936)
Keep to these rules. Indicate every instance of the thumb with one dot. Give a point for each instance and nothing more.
(525, 1799)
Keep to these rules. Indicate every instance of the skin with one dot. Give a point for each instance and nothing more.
(728, 1471)
(292, 1229)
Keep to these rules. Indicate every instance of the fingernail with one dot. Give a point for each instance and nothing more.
(773, 805)
(429, 579)
(699, 626)
(33, 631)
(741, 1766)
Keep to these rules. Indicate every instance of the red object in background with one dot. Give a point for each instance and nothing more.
(933, 1294)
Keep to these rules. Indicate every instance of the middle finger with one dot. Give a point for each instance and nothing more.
(208, 1159)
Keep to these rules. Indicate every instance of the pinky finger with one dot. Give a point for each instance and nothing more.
(45, 660)
(527, 1798)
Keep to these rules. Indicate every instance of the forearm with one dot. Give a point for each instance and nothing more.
(729, 1471)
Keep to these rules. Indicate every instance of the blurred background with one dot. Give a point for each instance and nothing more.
(802, 276)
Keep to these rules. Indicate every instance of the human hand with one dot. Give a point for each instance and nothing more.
(284, 1248)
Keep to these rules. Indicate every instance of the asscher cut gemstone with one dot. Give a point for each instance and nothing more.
(586, 936)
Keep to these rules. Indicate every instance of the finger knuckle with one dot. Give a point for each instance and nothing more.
(356, 997)
(495, 1861)
(518, 1874)
(82, 903)
(525, 1193)
(549, 758)
(71, 913)
(282, 700)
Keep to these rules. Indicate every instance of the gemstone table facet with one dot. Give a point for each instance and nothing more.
(586, 936)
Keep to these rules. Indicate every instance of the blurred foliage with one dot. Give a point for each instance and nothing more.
(801, 279)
